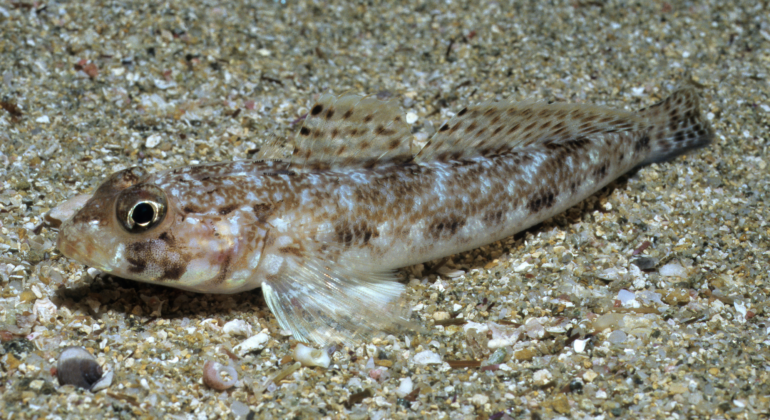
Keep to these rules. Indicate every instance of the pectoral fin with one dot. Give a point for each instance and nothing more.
(323, 302)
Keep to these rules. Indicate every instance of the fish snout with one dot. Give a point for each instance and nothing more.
(75, 244)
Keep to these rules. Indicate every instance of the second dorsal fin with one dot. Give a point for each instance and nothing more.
(352, 131)
(496, 127)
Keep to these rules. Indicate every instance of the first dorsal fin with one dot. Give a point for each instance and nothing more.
(496, 127)
(352, 131)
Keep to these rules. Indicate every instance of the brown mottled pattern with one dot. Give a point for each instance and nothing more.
(353, 204)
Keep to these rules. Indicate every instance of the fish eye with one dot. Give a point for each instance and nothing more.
(141, 207)
(143, 213)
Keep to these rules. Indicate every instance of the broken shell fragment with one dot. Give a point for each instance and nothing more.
(78, 367)
(309, 356)
(215, 375)
(254, 343)
(66, 210)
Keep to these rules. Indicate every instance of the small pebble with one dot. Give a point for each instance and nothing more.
(608, 320)
(152, 141)
(427, 357)
(625, 297)
(405, 387)
(441, 316)
(479, 399)
(93, 272)
(617, 337)
(542, 377)
(579, 345)
(590, 375)
(239, 409)
(309, 356)
(645, 263)
(673, 270)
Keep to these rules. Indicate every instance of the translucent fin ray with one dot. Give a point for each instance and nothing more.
(323, 302)
(352, 131)
(496, 127)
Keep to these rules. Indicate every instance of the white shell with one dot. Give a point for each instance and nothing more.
(104, 382)
(542, 377)
(257, 342)
(427, 357)
(309, 356)
(66, 209)
(237, 327)
(46, 311)
(405, 387)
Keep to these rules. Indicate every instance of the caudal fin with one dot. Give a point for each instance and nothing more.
(676, 126)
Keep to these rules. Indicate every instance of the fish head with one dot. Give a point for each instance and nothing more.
(133, 227)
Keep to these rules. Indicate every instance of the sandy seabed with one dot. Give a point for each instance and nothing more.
(649, 300)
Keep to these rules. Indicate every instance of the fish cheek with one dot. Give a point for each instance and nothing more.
(156, 259)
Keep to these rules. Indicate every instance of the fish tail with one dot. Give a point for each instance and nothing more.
(676, 127)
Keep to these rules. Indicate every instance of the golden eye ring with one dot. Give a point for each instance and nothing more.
(141, 207)
(143, 214)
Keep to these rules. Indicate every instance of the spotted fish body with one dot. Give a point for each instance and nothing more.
(323, 232)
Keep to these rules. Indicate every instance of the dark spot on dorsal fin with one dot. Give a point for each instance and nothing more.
(316, 109)
(291, 251)
(462, 112)
(330, 113)
(347, 114)
(383, 131)
(304, 131)
(368, 118)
